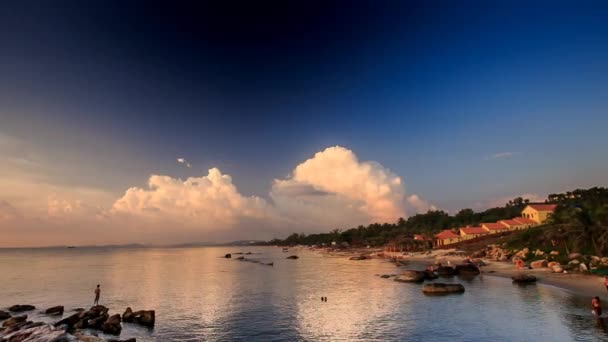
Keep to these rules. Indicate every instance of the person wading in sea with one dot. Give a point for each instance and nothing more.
(596, 307)
(97, 293)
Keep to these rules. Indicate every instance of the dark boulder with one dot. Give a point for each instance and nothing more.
(293, 257)
(524, 279)
(112, 325)
(270, 264)
(429, 275)
(70, 321)
(14, 320)
(411, 276)
(4, 315)
(21, 308)
(385, 276)
(55, 310)
(446, 271)
(143, 317)
(440, 288)
(228, 256)
(127, 316)
(146, 318)
(94, 323)
(467, 270)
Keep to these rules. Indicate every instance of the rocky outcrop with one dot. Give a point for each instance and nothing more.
(428, 275)
(446, 271)
(467, 270)
(143, 317)
(39, 332)
(14, 320)
(112, 325)
(539, 264)
(92, 318)
(411, 276)
(21, 308)
(440, 288)
(293, 257)
(55, 310)
(524, 279)
(4, 315)
(494, 252)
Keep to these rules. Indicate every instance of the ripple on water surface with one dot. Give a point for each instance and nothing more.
(199, 296)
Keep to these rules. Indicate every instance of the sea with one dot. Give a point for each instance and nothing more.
(199, 295)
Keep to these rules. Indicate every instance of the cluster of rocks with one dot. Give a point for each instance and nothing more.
(19, 329)
(415, 276)
(575, 262)
(494, 252)
(242, 258)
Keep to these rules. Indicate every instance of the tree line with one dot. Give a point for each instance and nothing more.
(581, 215)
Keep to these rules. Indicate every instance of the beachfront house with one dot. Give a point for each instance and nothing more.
(538, 213)
(446, 237)
(526, 222)
(494, 227)
(468, 232)
(513, 224)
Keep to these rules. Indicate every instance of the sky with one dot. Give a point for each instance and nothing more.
(163, 122)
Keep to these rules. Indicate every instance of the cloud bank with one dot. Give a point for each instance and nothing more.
(332, 189)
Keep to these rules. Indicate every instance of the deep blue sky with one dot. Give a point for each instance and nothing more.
(430, 89)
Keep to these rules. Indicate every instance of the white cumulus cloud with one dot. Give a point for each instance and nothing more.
(207, 202)
(334, 183)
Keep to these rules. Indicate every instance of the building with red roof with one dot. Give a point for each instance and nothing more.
(446, 237)
(468, 232)
(494, 227)
(513, 224)
(538, 213)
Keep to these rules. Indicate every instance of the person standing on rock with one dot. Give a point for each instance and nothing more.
(97, 293)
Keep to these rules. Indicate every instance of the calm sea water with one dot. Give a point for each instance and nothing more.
(199, 296)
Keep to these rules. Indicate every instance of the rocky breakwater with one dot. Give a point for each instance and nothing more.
(18, 328)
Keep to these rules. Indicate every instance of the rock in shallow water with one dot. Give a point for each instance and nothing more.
(21, 308)
(14, 320)
(143, 317)
(524, 279)
(440, 288)
(4, 315)
(411, 276)
(39, 332)
(112, 325)
(293, 257)
(55, 310)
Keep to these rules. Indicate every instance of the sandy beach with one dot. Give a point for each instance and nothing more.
(580, 284)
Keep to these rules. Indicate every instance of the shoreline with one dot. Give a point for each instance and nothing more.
(579, 284)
